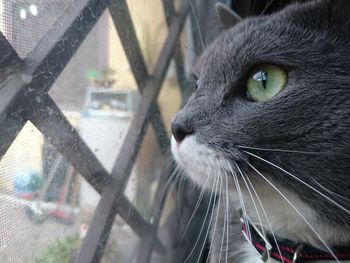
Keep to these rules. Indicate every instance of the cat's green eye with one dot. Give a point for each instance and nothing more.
(265, 82)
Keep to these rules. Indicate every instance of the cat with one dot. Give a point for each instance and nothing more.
(267, 131)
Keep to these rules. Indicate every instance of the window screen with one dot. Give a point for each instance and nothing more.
(88, 92)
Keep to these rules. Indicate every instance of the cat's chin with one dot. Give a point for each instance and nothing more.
(200, 163)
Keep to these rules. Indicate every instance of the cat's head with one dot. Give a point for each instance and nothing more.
(279, 84)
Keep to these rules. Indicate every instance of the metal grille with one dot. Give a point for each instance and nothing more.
(19, 16)
(24, 97)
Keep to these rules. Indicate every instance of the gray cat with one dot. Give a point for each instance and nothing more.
(268, 132)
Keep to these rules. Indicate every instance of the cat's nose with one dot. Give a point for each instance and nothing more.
(180, 130)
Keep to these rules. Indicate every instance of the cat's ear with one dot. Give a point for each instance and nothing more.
(227, 17)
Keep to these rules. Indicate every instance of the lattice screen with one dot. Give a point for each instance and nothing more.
(62, 150)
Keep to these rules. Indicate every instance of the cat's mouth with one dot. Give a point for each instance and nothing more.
(202, 164)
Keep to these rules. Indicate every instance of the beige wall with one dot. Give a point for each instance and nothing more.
(151, 30)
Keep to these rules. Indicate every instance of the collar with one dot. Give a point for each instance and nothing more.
(288, 251)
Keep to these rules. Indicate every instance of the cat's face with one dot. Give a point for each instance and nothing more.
(309, 114)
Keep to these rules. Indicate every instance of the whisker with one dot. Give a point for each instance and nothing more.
(266, 7)
(177, 181)
(201, 194)
(299, 213)
(180, 191)
(240, 197)
(301, 181)
(278, 150)
(168, 183)
(228, 217)
(209, 224)
(254, 204)
(223, 232)
(225, 206)
(331, 192)
(246, 179)
(204, 221)
(215, 224)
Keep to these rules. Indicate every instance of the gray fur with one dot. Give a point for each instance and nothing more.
(312, 43)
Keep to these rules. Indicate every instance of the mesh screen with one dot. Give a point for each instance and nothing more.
(24, 22)
(36, 206)
(46, 206)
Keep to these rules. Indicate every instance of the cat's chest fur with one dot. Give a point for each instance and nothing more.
(277, 217)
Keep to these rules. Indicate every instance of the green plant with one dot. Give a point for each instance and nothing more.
(62, 251)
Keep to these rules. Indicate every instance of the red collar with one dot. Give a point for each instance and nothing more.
(289, 251)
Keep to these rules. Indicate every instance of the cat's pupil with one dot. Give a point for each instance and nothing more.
(262, 77)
